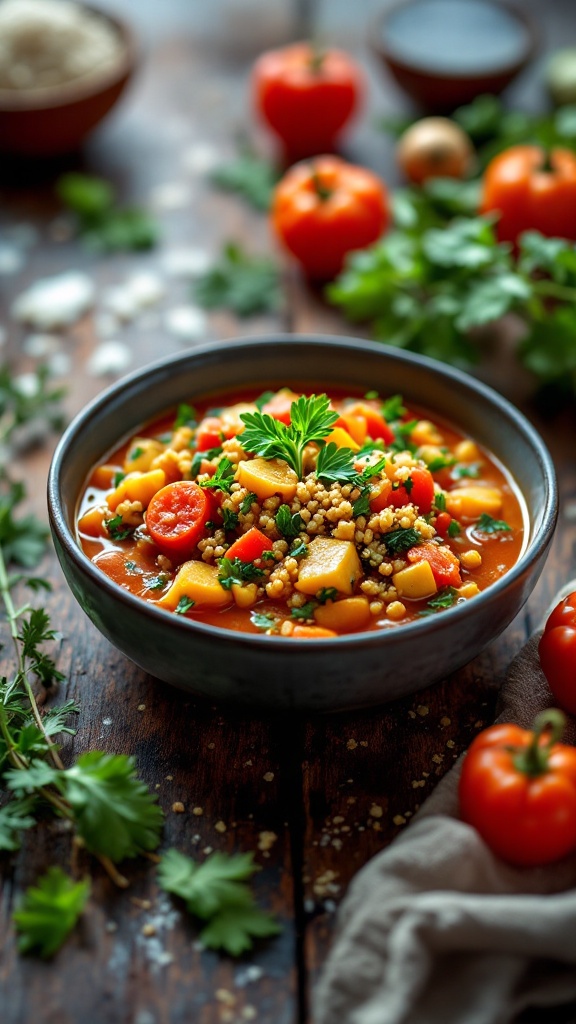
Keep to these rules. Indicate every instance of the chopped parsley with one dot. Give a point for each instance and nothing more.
(401, 540)
(466, 469)
(445, 598)
(305, 612)
(288, 523)
(439, 462)
(393, 408)
(326, 594)
(230, 518)
(184, 605)
(118, 477)
(402, 432)
(136, 453)
(440, 501)
(370, 395)
(487, 524)
(299, 549)
(199, 457)
(247, 503)
(361, 506)
(186, 416)
(117, 528)
(454, 529)
(335, 464)
(223, 477)
(234, 570)
(132, 568)
(264, 621)
(263, 399)
(157, 582)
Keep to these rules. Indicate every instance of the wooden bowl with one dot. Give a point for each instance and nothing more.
(440, 87)
(57, 120)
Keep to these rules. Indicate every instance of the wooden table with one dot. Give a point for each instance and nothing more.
(314, 797)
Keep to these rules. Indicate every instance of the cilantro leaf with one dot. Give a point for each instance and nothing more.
(233, 929)
(117, 528)
(326, 594)
(465, 470)
(393, 408)
(401, 540)
(234, 570)
(199, 457)
(299, 549)
(15, 816)
(184, 605)
(23, 540)
(250, 176)
(27, 780)
(242, 283)
(49, 912)
(289, 524)
(445, 598)
(104, 226)
(247, 503)
(223, 478)
(487, 524)
(230, 519)
(207, 887)
(263, 620)
(306, 611)
(454, 528)
(335, 464)
(115, 813)
(311, 418)
(361, 506)
(186, 416)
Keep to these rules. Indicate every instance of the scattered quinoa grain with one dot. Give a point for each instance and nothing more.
(178, 807)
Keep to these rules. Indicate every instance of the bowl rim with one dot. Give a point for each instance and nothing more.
(378, 43)
(374, 638)
(56, 97)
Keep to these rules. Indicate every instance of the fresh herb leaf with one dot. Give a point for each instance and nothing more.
(299, 549)
(264, 621)
(402, 442)
(136, 453)
(242, 283)
(289, 524)
(157, 582)
(466, 469)
(361, 506)
(487, 524)
(35, 776)
(49, 912)
(23, 538)
(115, 813)
(247, 503)
(118, 478)
(15, 817)
(184, 605)
(441, 462)
(234, 928)
(312, 420)
(186, 416)
(306, 611)
(103, 225)
(454, 528)
(440, 501)
(230, 518)
(250, 177)
(234, 570)
(199, 457)
(445, 598)
(263, 399)
(335, 465)
(118, 529)
(326, 594)
(393, 408)
(401, 540)
(223, 478)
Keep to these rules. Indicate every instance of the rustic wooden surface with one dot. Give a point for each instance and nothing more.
(314, 798)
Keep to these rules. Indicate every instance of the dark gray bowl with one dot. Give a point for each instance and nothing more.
(276, 672)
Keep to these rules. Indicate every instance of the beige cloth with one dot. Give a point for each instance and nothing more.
(437, 930)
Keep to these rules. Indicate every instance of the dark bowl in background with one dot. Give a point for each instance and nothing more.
(441, 90)
(276, 672)
(52, 121)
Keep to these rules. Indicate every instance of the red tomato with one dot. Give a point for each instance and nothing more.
(380, 498)
(557, 650)
(324, 208)
(443, 562)
(208, 434)
(418, 489)
(306, 96)
(250, 546)
(518, 789)
(443, 520)
(378, 428)
(176, 518)
(279, 406)
(531, 192)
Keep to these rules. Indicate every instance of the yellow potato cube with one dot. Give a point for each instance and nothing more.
(92, 522)
(140, 454)
(342, 439)
(103, 477)
(137, 487)
(267, 477)
(230, 417)
(471, 501)
(415, 582)
(330, 563)
(467, 451)
(345, 616)
(245, 596)
(424, 432)
(199, 582)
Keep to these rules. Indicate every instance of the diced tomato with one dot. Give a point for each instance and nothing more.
(208, 434)
(418, 489)
(443, 562)
(280, 404)
(353, 424)
(176, 518)
(376, 425)
(250, 546)
(311, 632)
(443, 520)
(381, 499)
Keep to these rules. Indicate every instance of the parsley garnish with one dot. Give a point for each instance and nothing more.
(361, 506)
(263, 620)
(326, 594)
(289, 524)
(223, 477)
(234, 570)
(136, 453)
(103, 225)
(186, 416)
(117, 528)
(157, 582)
(49, 912)
(312, 419)
(335, 464)
(250, 176)
(393, 408)
(299, 549)
(230, 518)
(199, 457)
(247, 503)
(216, 892)
(487, 524)
(439, 462)
(440, 501)
(184, 605)
(402, 442)
(305, 612)
(401, 540)
(118, 478)
(245, 284)
(454, 529)
(466, 469)
(445, 598)
(263, 399)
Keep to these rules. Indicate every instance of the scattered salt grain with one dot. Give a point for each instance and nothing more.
(27, 384)
(105, 324)
(109, 359)
(106, 721)
(247, 975)
(59, 364)
(172, 195)
(201, 158)
(127, 300)
(54, 302)
(11, 259)
(187, 263)
(38, 346)
(187, 322)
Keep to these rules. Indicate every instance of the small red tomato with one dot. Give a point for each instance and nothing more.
(518, 789)
(418, 489)
(322, 209)
(557, 650)
(532, 192)
(306, 96)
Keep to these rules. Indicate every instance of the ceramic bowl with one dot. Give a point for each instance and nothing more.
(269, 671)
(441, 87)
(58, 119)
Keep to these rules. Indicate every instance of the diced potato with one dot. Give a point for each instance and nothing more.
(415, 582)
(471, 501)
(467, 451)
(92, 522)
(342, 439)
(137, 487)
(345, 616)
(469, 589)
(267, 477)
(103, 477)
(230, 417)
(425, 433)
(245, 596)
(330, 563)
(199, 582)
(140, 454)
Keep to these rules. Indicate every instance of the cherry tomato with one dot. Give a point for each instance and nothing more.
(250, 546)
(518, 789)
(209, 434)
(531, 192)
(443, 562)
(434, 147)
(324, 208)
(418, 489)
(557, 650)
(306, 96)
(176, 518)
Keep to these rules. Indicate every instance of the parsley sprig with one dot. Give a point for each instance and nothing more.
(102, 224)
(311, 418)
(242, 283)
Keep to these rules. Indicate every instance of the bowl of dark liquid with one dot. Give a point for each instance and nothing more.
(444, 53)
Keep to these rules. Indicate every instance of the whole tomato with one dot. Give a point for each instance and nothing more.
(557, 650)
(532, 191)
(324, 208)
(306, 96)
(518, 789)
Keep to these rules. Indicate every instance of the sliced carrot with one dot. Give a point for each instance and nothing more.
(311, 632)
(176, 518)
(250, 546)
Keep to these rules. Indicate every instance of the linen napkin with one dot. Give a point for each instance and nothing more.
(438, 930)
